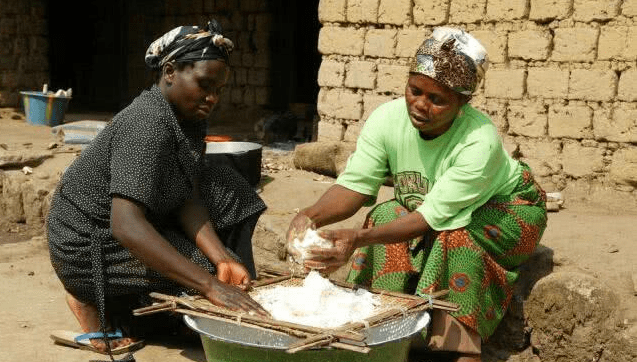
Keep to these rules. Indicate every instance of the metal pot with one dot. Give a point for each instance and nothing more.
(245, 157)
(228, 341)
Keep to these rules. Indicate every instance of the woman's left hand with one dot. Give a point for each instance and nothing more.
(328, 260)
(231, 272)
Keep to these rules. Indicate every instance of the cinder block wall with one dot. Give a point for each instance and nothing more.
(24, 62)
(561, 86)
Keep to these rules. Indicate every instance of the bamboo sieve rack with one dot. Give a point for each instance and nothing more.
(393, 306)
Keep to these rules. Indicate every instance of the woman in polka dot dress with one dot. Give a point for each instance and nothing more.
(465, 214)
(141, 211)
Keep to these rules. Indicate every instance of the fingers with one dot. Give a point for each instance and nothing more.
(327, 267)
(249, 305)
(245, 283)
(232, 272)
(240, 275)
(314, 265)
(323, 253)
(233, 298)
(327, 234)
(298, 226)
(245, 287)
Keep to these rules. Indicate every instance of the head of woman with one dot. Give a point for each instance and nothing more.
(193, 68)
(443, 75)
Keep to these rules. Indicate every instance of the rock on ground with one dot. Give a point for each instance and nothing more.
(574, 317)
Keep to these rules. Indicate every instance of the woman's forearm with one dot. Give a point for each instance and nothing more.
(133, 230)
(337, 203)
(197, 226)
(404, 228)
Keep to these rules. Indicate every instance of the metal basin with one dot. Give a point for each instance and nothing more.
(230, 342)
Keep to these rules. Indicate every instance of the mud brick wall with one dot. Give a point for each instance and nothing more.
(248, 23)
(24, 45)
(561, 86)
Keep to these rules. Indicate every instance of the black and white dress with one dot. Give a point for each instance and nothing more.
(144, 155)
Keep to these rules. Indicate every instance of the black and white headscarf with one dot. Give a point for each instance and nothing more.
(189, 44)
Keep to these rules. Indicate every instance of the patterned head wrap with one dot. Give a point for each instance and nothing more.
(452, 57)
(189, 44)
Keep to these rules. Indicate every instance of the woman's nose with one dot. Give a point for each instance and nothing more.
(212, 97)
(423, 105)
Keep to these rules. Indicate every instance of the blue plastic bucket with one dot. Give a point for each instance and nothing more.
(44, 109)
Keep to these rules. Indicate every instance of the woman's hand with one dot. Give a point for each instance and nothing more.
(231, 272)
(298, 226)
(233, 298)
(132, 229)
(328, 260)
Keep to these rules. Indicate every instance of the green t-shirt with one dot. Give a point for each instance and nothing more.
(445, 179)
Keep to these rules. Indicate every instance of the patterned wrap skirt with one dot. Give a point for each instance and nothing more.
(476, 263)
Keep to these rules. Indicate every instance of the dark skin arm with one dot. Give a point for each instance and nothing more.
(339, 203)
(197, 226)
(132, 229)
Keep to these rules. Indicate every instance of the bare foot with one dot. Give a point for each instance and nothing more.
(85, 313)
(88, 317)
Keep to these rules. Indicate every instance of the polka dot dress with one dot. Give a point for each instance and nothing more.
(144, 155)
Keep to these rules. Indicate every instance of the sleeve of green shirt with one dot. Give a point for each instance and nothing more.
(367, 167)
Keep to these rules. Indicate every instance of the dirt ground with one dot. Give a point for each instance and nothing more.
(598, 240)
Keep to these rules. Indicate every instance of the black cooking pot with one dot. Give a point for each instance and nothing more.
(245, 157)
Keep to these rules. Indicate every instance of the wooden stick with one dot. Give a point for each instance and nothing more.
(268, 328)
(314, 341)
(269, 274)
(155, 308)
(451, 307)
(282, 272)
(351, 347)
(171, 298)
(260, 283)
(325, 340)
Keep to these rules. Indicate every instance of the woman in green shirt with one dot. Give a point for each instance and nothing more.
(465, 214)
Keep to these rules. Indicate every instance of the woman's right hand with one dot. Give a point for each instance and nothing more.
(232, 272)
(298, 226)
(233, 298)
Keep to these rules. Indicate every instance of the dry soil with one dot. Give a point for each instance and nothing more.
(598, 240)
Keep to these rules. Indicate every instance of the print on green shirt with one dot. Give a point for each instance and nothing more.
(410, 188)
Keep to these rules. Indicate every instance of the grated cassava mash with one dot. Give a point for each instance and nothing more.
(317, 303)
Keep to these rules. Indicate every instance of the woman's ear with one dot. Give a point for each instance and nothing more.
(168, 72)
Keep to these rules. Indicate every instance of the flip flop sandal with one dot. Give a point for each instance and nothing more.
(83, 341)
